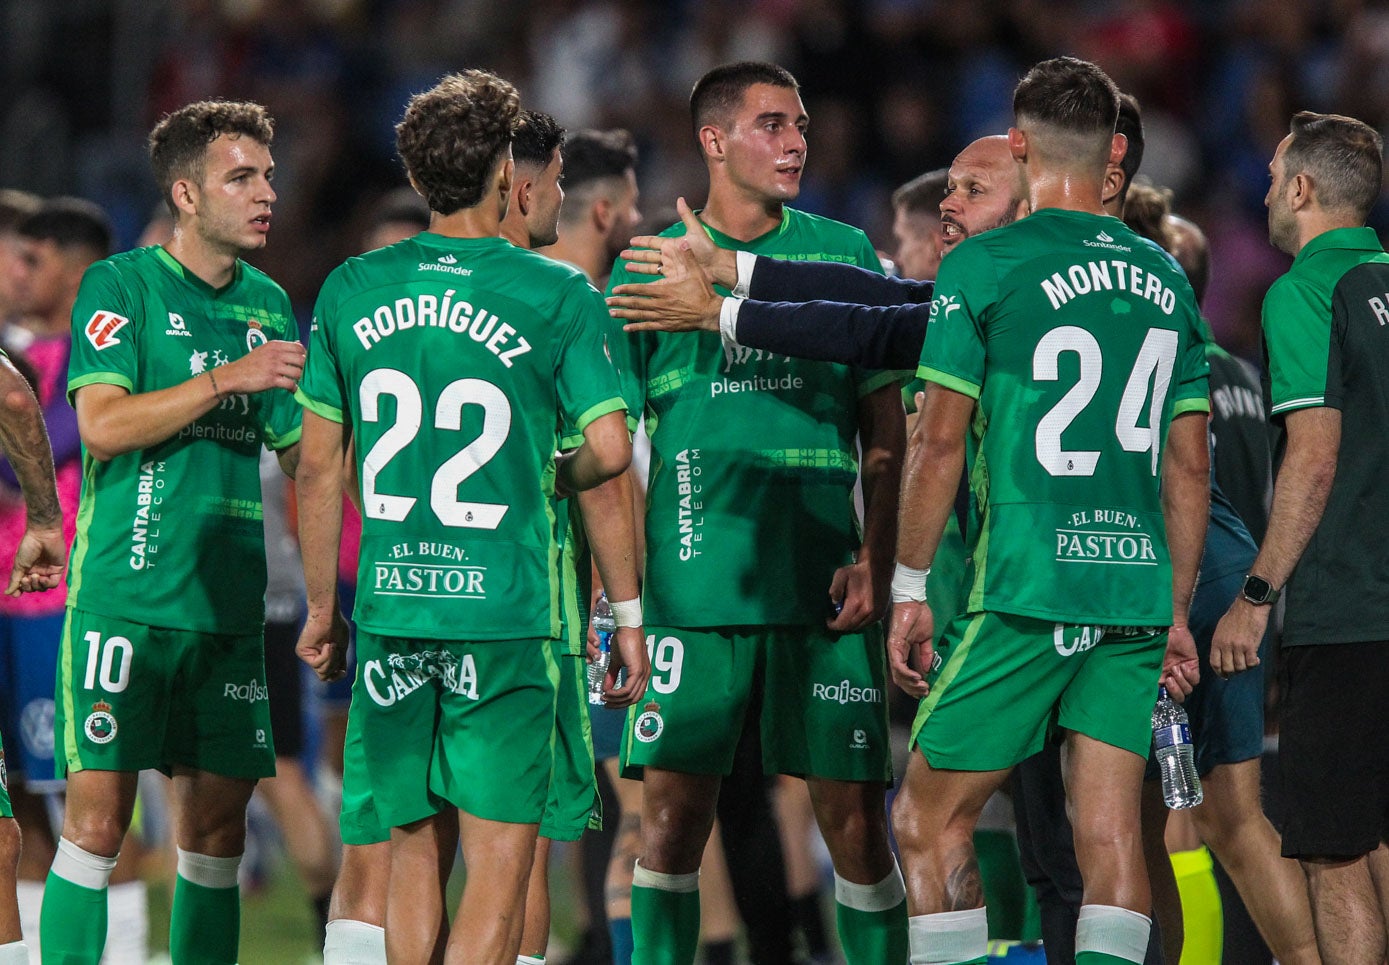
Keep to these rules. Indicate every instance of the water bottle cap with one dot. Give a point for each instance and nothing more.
(1162, 692)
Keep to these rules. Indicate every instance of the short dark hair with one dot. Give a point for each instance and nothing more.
(720, 92)
(1129, 124)
(1343, 156)
(15, 206)
(592, 160)
(178, 143)
(537, 137)
(454, 135)
(1072, 97)
(922, 194)
(400, 205)
(70, 223)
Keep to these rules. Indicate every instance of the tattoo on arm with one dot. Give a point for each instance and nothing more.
(25, 442)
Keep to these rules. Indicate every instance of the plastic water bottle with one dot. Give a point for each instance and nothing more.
(605, 625)
(1181, 785)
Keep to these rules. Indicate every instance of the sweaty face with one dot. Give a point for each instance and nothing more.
(546, 196)
(232, 201)
(981, 193)
(1282, 225)
(918, 236)
(764, 146)
(626, 216)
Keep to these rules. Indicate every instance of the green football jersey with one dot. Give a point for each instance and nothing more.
(1080, 342)
(753, 464)
(455, 362)
(177, 526)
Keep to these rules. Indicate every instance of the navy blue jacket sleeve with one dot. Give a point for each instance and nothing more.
(869, 337)
(797, 281)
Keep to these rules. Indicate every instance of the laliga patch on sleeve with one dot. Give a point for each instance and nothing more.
(102, 328)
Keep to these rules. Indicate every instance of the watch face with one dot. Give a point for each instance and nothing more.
(1257, 589)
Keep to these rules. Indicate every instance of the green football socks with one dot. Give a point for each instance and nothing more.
(665, 917)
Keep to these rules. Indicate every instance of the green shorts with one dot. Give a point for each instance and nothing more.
(358, 821)
(452, 724)
(572, 804)
(1004, 680)
(131, 697)
(823, 707)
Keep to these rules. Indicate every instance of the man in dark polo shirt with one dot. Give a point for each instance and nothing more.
(1326, 338)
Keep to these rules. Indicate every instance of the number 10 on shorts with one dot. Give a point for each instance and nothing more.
(111, 660)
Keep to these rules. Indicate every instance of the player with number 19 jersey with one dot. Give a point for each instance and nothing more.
(455, 362)
(1080, 343)
(171, 535)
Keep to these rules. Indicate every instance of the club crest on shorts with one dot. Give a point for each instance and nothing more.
(101, 724)
(4, 774)
(649, 725)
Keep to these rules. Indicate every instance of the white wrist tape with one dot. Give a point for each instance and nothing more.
(627, 613)
(909, 584)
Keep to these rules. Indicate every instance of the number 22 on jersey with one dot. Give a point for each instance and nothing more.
(448, 415)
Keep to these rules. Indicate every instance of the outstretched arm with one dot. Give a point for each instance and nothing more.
(768, 279)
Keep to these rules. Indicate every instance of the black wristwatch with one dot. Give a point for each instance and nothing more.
(1259, 591)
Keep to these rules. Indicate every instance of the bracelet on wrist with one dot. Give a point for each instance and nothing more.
(213, 379)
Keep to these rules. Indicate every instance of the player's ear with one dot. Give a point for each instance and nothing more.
(185, 195)
(1300, 190)
(1118, 148)
(1113, 181)
(602, 215)
(1017, 144)
(710, 139)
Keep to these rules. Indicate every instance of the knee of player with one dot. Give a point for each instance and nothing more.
(851, 824)
(95, 833)
(919, 827)
(1115, 834)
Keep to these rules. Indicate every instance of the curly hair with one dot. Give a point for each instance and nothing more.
(453, 136)
(178, 144)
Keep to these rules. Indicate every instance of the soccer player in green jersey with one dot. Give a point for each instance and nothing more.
(751, 538)
(38, 565)
(183, 362)
(450, 361)
(1069, 351)
(532, 221)
(1326, 384)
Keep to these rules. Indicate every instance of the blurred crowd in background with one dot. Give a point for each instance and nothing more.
(893, 87)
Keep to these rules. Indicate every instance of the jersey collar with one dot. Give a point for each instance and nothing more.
(178, 268)
(1352, 239)
(726, 241)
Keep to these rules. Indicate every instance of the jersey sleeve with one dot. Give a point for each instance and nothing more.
(871, 380)
(103, 336)
(585, 377)
(281, 414)
(953, 355)
(320, 388)
(1192, 391)
(1297, 331)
